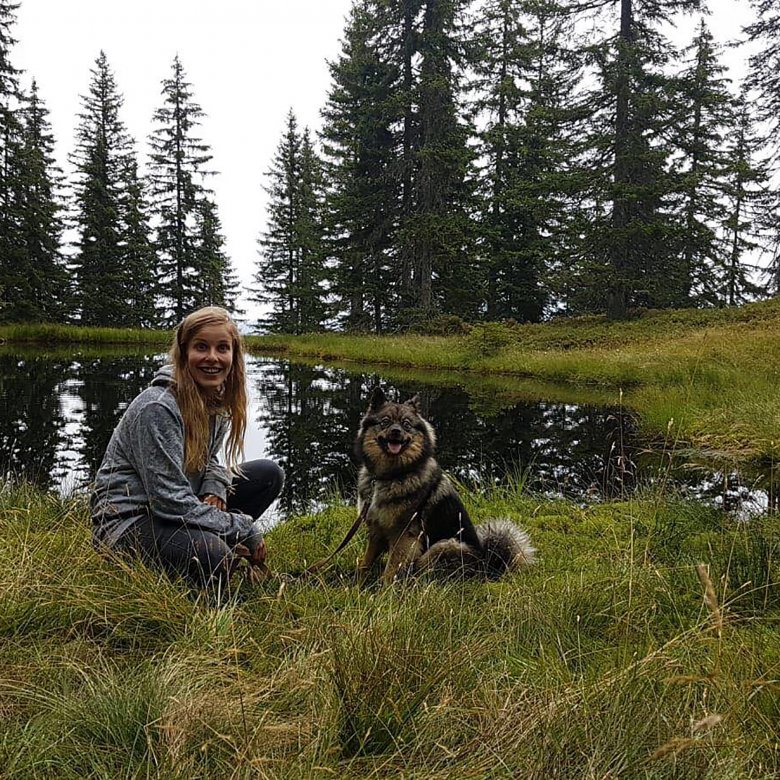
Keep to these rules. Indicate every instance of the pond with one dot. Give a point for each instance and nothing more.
(58, 409)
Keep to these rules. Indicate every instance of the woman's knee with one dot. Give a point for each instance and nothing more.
(265, 472)
(261, 481)
(278, 478)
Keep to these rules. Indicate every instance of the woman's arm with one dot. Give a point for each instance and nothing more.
(157, 442)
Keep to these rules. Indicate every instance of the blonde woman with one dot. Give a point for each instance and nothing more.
(160, 494)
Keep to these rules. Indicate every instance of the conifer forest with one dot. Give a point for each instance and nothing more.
(477, 160)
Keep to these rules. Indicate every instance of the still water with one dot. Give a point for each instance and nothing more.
(57, 412)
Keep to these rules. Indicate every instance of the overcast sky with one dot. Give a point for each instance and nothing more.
(249, 62)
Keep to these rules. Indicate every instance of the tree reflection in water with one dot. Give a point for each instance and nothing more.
(31, 417)
(105, 387)
(57, 415)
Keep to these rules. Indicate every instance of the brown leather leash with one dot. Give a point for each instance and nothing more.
(344, 542)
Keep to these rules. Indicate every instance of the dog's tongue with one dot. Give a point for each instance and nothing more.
(394, 447)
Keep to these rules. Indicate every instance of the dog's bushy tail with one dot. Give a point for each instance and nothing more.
(506, 547)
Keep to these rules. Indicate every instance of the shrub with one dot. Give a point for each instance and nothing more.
(489, 338)
(441, 325)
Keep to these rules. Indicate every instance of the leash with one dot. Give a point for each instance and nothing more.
(317, 565)
(344, 542)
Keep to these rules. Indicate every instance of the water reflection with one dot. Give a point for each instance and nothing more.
(31, 416)
(311, 415)
(57, 414)
(104, 389)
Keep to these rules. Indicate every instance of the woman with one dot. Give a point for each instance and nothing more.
(160, 493)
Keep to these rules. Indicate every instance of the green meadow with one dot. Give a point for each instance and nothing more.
(644, 642)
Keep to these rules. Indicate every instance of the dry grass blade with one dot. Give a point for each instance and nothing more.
(706, 724)
(672, 747)
(710, 597)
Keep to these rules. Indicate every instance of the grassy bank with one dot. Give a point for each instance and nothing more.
(611, 657)
(47, 334)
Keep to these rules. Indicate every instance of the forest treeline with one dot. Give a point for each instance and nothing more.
(490, 160)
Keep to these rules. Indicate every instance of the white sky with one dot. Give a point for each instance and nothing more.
(249, 62)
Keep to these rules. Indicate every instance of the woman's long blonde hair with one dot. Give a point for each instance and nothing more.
(194, 406)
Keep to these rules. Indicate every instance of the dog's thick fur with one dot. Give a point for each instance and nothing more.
(414, 513)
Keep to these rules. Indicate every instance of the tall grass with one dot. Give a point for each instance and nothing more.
(616, 655)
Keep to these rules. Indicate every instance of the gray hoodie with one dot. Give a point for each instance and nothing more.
(142, 471)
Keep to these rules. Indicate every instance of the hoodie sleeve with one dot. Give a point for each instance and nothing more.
(157, 444)
(216, 478)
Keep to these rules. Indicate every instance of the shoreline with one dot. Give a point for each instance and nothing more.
(710, 378)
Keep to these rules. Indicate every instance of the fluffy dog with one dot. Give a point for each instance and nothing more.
(414, 513)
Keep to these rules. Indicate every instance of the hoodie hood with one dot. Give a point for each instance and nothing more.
(164, 377)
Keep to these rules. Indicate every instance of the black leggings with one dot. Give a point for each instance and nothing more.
(201, 557)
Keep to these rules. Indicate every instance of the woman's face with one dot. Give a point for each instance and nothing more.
(210, 357)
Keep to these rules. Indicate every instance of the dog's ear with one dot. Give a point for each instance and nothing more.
(378, 399)
(414, 402)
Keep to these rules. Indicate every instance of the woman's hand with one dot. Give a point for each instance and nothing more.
(257, 571)
(213, 500)
(258, 556)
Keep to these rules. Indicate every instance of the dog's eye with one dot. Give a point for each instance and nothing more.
(384, 422)
(407, 424)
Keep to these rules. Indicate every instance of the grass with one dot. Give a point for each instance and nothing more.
(614, 656)
(51, 334)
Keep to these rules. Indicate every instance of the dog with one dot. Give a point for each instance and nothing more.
(413, 512)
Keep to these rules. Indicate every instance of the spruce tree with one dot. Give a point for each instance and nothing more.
(630, 240)
(748, 209)
(360, 149)
(290, 271)
(9, 76)
(312, 292)
(763, 84)
(702, 119)
(524, 77)
(102, 158)
(10, 142)
(440, 231)
(178, 167)
(764, 73)
(217, 281)
(138, 253)
(43, 290)
(399, 29)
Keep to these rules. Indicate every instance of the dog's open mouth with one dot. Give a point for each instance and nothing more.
(394, 447)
